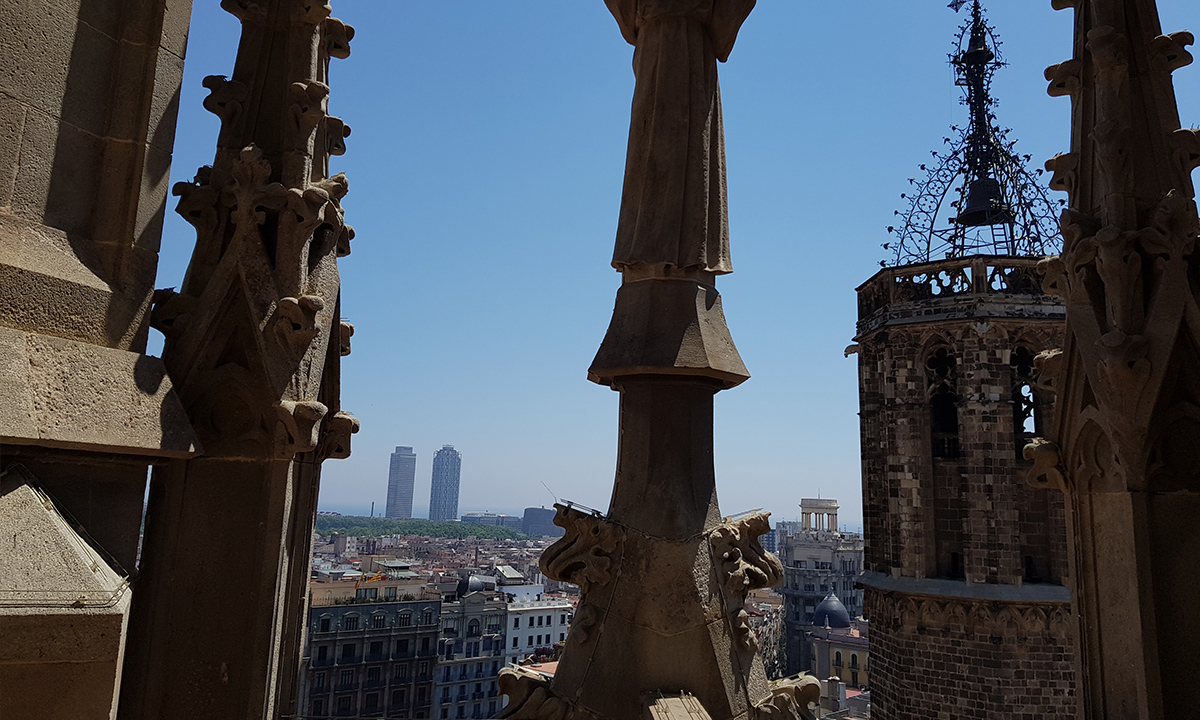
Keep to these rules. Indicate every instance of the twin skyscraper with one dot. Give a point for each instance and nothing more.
(443, 495)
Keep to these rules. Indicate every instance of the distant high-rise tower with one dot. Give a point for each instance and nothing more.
(401, 476)
(443, 496)
(966, 565)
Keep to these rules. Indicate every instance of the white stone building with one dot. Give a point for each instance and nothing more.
(536, 624)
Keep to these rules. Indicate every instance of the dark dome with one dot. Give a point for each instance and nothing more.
(474, 584)
(831, 612)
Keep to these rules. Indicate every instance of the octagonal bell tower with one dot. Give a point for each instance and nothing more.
(965, 564)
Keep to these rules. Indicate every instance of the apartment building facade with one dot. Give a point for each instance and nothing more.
(370, 660)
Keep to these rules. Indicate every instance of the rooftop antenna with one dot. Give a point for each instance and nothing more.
(552, 495)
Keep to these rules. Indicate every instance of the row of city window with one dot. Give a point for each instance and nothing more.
(470, 649)
(375, 621)
(845, 587)
(348, 679)
(375, 648)
(474, 628)
(840, 673)
(548, 620)
(542, 640)
(847, 566)
(390, 593)
(345, 705)
(464, 692)
(464, 671)
(476, 711)
(853, 678)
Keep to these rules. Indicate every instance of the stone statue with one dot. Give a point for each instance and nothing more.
(673, 207)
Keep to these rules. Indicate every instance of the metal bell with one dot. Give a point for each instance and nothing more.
(985, 205)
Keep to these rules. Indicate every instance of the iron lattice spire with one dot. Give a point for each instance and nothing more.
(978, 197)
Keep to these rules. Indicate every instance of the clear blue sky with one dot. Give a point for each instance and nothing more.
(485, 171)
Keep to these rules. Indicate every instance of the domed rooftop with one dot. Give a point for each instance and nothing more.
(475, 584)
(831, 612)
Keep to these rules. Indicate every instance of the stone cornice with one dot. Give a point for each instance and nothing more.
(1039, 593)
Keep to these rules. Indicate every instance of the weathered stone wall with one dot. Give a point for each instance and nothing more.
(940, 658)
(88, 98)
(88, 102)
(958, 545)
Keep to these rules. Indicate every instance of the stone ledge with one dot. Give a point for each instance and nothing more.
(666, 326)
(49, 284)
(1039, 593)
(73, 395)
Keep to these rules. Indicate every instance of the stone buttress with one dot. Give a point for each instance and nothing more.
(253, 344)
(1125, 447)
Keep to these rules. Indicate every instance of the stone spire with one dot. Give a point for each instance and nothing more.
(1128, 404)
(253, 343)
(661, 625)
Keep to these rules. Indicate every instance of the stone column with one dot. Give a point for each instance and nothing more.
(1126, 442)
(661, 623)
(88, 97)
(254, 340)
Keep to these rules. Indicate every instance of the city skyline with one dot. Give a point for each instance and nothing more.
(516, 507)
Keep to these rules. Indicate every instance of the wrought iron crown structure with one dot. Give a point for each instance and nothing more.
(978, 198)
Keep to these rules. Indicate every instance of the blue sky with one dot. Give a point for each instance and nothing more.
(485, 171)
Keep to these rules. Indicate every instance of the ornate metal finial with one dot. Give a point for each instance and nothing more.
(978, 197)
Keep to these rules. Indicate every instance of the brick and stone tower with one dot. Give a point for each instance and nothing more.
(965, 563)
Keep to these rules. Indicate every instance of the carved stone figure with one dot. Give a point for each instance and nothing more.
(673, 208)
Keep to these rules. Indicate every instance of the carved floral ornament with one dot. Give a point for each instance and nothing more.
(971, 619)
(743, 565)
(587, 553)
(530, 697)
(1128, 259)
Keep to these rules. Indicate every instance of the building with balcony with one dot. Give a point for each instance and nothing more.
(536, 625)
(818, 561)
(470, 652)
(370, 660)
(390, 584)
(840, 650)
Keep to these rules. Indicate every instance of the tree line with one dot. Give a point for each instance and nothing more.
(378, 527)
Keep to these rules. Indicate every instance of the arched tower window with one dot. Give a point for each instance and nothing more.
(1027, 411)
(942, 374)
